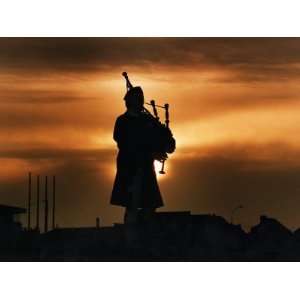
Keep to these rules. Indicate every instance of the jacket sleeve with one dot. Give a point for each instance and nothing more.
(128, 139)
(119, 133)
(125, 140)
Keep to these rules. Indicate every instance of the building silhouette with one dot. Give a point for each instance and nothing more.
(167, 236)
(11, 231)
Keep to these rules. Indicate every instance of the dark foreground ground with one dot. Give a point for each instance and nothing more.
(176, 236)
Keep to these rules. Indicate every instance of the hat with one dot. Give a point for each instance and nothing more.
(134, 93)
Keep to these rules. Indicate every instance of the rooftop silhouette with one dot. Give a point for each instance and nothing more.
(168, 236)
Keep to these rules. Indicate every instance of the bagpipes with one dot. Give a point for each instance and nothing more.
(163, 140)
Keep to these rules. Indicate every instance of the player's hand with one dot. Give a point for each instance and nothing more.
(160, 156)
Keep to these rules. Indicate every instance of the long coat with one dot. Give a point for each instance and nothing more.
(135, 184)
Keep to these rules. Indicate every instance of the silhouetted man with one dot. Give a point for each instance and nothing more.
(135, 186)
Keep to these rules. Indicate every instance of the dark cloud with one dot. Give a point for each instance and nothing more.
(66, 154)
(249, 58)
(47, 96)
(54, 114)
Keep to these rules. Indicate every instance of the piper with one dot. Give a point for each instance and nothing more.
(141, 138)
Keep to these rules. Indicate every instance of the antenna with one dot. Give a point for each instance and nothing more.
(46, 205)
(38, 202)
(53, 202)
(29, 201)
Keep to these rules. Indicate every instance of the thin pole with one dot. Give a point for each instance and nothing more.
(38, 202)
(53, 204)
(46, 204)
(29, 201)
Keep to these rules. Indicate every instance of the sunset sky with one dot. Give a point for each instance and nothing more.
(234, 110)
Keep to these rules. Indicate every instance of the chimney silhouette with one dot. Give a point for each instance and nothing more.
(38, 202)
(29, 201)
(46, 205)
(97, 222)
(53, 203)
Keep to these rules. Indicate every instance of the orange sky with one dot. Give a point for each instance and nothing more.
(234, 113)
